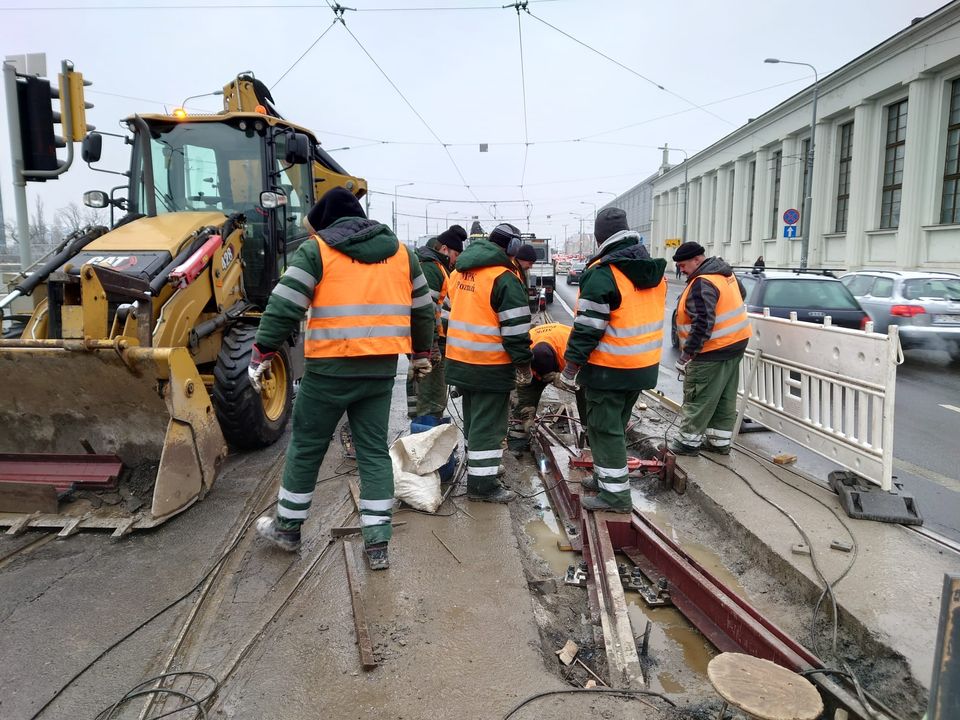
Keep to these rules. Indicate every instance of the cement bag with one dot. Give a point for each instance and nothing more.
(416, 459)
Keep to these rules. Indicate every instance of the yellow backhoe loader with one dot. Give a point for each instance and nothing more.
(125, 385)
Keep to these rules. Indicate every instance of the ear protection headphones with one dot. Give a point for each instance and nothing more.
(513, 247)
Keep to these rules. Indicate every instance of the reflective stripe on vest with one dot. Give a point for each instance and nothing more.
(634, 336)
(556, 336)
(731, 324)
(358, 308)
(473, 332)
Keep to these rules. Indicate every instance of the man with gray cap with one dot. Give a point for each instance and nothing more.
(488, 352)
(614, 349)
(428, 396)
(714, 330)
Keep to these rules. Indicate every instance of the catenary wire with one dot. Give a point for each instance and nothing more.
(629, 69)
(523, 88)
(304, 54)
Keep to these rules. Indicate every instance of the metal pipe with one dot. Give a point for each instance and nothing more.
(16, 163)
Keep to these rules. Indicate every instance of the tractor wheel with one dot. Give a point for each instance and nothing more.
(250, 419)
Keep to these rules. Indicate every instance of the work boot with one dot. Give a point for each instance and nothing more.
(716, 449)
(377, 557)
(288, 540)
(501, 470)
(594, 502)
(679, 448)
(499, 495)
(590, 483)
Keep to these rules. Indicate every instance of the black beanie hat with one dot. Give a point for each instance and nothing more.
(336, 203)
(688, 250)
(609, 222)
(544, 359)
(503, 233)
(458, 229)
(451, 238)
(527, 252)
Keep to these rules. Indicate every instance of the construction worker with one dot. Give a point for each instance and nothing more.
(548, 343)
(714, 331)
(525, 258)
(614, 349)
(429, 396)
(368, 303)
(488, 352)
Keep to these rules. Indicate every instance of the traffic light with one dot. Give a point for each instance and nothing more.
(37, 118)
(78, 106)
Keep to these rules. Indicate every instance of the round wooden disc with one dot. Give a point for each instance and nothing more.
(764, 689)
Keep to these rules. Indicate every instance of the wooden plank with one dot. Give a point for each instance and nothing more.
(23, 497)
(367, 658)
(345, 530)
(354, 492)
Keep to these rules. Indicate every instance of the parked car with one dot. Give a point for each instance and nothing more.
(813, 295)
(575, 271)
(563, 266)
(924, 305)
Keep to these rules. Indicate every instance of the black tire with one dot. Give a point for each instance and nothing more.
(674, 338)
(239, 407)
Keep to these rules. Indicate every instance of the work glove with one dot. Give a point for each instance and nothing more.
(567, 380)
(523, 374)
(421, 365)
(549, 377)
(259, 364)
(435, 357)
(681, 364)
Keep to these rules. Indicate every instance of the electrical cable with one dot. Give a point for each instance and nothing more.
(304, 54)
(140, 690)
(629, 69)
(436, 137)
(593, 691)
(523, 87)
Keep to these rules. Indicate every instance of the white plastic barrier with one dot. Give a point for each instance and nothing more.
(830, 389)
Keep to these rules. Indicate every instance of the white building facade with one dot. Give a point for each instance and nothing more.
(886, 177)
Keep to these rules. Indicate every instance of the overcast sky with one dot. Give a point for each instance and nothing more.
(592, 127)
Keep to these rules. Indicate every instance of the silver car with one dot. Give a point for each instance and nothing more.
(925, 305)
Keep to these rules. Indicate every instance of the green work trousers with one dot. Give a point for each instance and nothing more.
(321, 403)
(608, 413)
(710, 402)
(484, 430)
(428, 396)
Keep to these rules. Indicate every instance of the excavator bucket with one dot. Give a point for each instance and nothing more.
(74, 413)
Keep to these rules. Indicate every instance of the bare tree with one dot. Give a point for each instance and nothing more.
(69, 219)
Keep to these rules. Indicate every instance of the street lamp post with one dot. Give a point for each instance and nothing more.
(426, 222)
(395, 204)
(808, 183)
(607, 192)
(446, 218)
(685, 188)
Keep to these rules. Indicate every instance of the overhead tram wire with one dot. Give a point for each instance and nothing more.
(625, 67)
(446, 149)
(305, 52)
(523, 87)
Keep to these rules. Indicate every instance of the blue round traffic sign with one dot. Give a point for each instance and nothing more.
(791, 216)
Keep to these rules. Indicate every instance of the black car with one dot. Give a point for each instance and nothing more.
(813, 295)
(574, 273)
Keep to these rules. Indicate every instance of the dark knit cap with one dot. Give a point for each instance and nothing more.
(527, 252)
(544, 359)
(458, 229)
(336, 203)
(451, 238)
(503, 233)
(609, 221)
(688, 251)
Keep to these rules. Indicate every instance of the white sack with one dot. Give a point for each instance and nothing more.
(416, 459)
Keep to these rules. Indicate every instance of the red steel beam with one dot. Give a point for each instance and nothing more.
(92, 472)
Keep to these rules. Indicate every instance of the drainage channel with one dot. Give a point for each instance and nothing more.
(709, 611)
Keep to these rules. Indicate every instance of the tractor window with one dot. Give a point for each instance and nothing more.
(296, 184)
(204, 166)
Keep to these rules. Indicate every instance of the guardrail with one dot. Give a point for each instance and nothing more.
(830, 389)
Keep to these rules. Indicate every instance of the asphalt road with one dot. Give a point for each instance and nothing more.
(927, 422)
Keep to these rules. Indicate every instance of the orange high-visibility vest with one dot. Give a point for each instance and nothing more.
(473, 333)
(634, 336)
(440, 297)
(556, 336)
(358, 308)
(731, 324)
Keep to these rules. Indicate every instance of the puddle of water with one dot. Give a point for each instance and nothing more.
(670, 630)
(545, 532)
